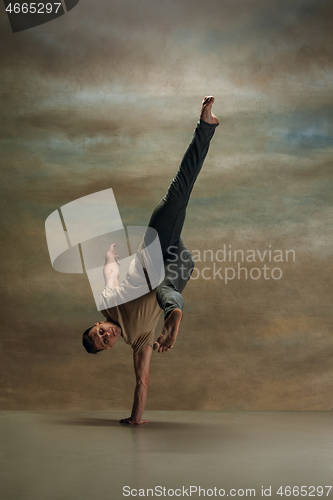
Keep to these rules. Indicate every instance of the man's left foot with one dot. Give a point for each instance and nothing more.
(168, 337)
(206, 110)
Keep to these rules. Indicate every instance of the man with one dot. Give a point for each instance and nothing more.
(136, 320)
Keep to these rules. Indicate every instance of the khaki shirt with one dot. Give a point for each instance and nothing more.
(137, 319)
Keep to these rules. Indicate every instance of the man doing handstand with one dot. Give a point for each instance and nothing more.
(136, 320)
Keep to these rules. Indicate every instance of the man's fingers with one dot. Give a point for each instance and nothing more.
(128, 421)
(156, 346)
(112, 254)
(125, 421)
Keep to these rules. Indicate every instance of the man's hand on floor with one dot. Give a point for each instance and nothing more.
(129, 421)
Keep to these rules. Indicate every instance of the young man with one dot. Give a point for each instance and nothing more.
(136, 320)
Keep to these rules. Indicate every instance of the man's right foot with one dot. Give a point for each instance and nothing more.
(169, 333)
(206, 111)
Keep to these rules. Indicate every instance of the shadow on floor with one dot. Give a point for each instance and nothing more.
(176, 437)
(163, 426)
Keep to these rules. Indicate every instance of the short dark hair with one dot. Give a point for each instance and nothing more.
(88, 344)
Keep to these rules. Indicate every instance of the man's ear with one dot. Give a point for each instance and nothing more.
(107, 348)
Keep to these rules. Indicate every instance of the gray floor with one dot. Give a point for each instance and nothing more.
(88, 455)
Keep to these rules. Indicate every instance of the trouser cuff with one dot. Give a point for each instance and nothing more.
(206, 126)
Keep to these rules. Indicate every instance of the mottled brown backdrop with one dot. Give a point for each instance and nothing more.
(108, 96)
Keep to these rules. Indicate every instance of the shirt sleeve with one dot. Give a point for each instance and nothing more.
(106, 297)
(133, 286)
(142, 341)
(108, 290)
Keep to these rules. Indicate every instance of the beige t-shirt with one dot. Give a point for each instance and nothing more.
(137, 319)
(132, 305)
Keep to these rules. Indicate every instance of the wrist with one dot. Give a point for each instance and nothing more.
(135, 418)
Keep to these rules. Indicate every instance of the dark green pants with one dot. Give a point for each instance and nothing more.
(168, 220)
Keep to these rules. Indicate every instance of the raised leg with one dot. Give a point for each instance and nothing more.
(169, 215)
(168, 220)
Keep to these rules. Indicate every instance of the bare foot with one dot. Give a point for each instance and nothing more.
(169, 333)
(206, 110)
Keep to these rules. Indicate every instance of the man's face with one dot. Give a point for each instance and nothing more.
(104, 335)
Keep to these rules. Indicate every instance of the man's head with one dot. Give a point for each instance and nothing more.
(102, 336)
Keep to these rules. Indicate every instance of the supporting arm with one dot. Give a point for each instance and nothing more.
(141, 368)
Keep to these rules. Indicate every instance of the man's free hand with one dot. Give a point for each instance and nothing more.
(129, 421)
(111, 268)
(111, 255)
